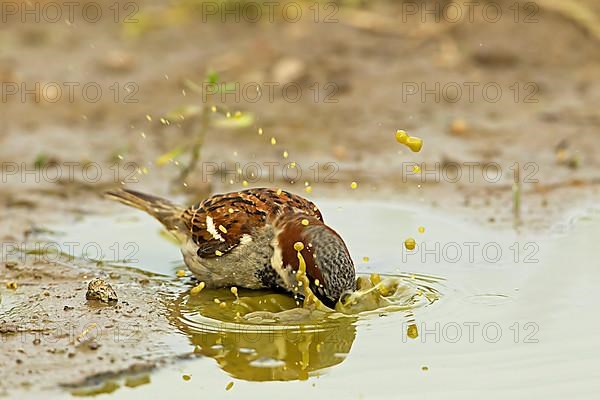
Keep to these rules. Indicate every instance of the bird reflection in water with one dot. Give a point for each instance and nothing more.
(266, 336)
(262, 336)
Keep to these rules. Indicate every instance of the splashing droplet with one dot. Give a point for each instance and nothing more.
(197, 289)
(412, 331)
(412, 142)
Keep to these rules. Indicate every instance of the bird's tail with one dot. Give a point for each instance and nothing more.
(168, 213)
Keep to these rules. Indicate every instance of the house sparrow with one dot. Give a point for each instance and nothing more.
(247, 239)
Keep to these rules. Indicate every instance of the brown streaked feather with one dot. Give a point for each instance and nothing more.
(240, 213)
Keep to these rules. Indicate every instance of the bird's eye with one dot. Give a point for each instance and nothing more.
(345, 298)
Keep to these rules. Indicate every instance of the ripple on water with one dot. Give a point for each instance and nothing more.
(260, 336)
(489, 299)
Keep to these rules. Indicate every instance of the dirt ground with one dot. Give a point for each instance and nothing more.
(367, 59)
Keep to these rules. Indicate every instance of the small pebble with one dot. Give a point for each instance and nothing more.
(99, 290)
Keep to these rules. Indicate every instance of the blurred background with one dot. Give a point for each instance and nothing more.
(198, 96)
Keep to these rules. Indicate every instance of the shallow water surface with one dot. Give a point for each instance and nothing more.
(508, 314)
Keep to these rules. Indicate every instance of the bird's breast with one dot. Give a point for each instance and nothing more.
(247, 265)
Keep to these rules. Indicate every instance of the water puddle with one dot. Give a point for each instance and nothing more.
(461, 312)
(262, 336)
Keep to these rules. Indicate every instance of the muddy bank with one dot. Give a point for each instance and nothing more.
(52, 337)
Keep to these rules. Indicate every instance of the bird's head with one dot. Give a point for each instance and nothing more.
(329, 267)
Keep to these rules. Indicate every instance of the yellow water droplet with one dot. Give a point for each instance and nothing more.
(143, 135)
(228, 114)
(412, 142)
(234, 290)
(148, 117)
(218, 253)
(305, 222)
(298, 246)
(229, 386)
(412, 331)
(245, 183)
(223, 305)
(260, 131)
(308, 189)
(365, 259)
(317, 283)
(180, 273)
(410, 244)
(421, 229)
(279, 191)
(186, 377)
(217, 301)
(197, 289)
(354, 185)
(213, 109)
(273, 141)
(222, 229)
(375, 279)
(285, 154)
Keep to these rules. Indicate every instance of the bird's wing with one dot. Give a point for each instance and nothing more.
(220, 223)
(280, 201)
